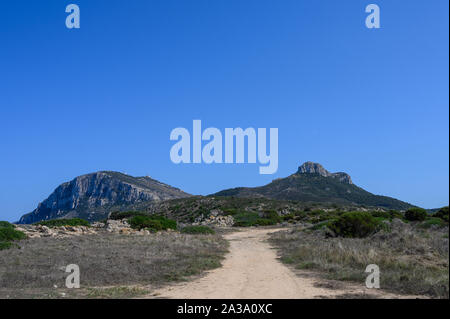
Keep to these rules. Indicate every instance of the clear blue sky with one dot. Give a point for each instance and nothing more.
(372, 103)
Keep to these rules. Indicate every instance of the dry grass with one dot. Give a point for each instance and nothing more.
(105, 260)
(412, 260)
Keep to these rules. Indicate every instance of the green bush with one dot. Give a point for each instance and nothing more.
(5, 245)
(165, 222)
(288, 217)
(354, 224)
(433, 221)
(10, 234)
(300, 214)
(6, 224)
(152, 222)
(64, 222)
(128, 214)
(247, 219)
(416, 214)
(265, 222)
(272, 216)
(316, 212)
(230, 211)
(395, 214)
(321, 224)
(197, 230)
(442, 214)
(381, 214)
(152, 225)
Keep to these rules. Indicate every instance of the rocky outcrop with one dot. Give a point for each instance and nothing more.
(92, 196)
(316, 168)
(38, 231)
(215, 218)
(111, 226)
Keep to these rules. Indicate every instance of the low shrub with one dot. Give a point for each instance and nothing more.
(152, 222)
(316, 212)
(230, 211)
(64, 222)
(381, 214)
(288, 217)
(395, 214)
(442, 214)
(300, 214)
(247, 219)
(321, 225)
(265, 222)
(416, 214)
(5, 245)
(197, 230)
(165, 222)
(354, 225)
(128, 214)
(433, 221)
(10, 234)
(6, 224)
(272, 215)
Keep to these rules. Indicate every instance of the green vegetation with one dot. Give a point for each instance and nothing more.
(197, 230)
(261, 211)
(247, 219)
(442, 214)
(152, 223)
(5, 245)
(64, 222)
(416, 214)
(395, 214)
(128, 214)
(354, 225)
(382, 214)
(433, 221)
(6, 224)
(8, 234)
(197, 208)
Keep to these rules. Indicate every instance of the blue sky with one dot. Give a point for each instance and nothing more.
(372, 103)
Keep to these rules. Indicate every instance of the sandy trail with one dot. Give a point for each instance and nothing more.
(251, 270)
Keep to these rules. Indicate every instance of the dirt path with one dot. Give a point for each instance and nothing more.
(251, 270)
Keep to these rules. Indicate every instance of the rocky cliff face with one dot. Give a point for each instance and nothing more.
(315, 168)
(92, 196)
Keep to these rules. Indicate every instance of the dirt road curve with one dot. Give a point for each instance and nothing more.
(251, 270)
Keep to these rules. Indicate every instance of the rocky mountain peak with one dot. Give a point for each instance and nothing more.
(313, 168)
(316, 168)
(93, 196)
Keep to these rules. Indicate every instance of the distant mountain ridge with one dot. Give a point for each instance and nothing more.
(93, 196)
(313, 183)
